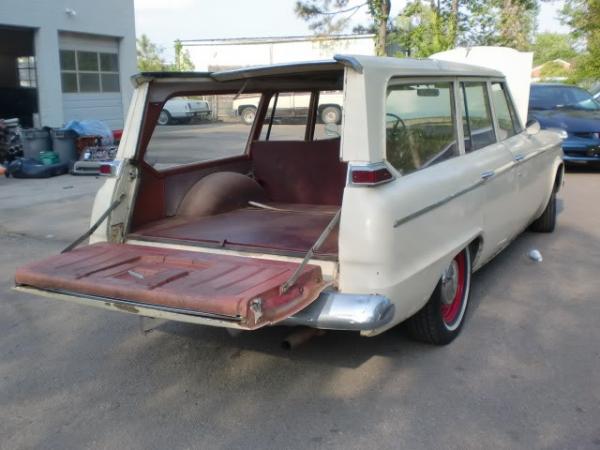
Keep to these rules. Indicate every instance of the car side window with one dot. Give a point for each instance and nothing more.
(507, 123)
(420, 126)
(477, 116)
(287, 117)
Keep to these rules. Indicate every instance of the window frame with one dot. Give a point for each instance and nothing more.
(487, 82)
(77, 71)
(311, 120)
(454, 105)
(517, 128)
(27, 64)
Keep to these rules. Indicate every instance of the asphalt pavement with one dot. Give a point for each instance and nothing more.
(524, 373)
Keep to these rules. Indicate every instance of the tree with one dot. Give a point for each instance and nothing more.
(333, 16)
(517, 23)
(510, 23)
(583, 17)
(551, 46)
(149, 55)
(183, 62)
(150, 59)
(426, 28)
(553, 70)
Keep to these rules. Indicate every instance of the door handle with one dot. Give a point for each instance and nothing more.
(519, 157)
(488, 174)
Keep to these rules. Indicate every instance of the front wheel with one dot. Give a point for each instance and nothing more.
(441, 319)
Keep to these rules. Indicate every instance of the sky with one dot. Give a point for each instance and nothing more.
(166, 20)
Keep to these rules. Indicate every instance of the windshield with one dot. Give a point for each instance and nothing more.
(561, 97)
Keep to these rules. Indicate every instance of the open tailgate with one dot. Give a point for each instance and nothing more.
(242, 291)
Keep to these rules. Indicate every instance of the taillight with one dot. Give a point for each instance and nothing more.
(110, 169)
(370, 176)
(106, 169)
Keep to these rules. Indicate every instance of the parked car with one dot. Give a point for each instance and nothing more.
(433, 176)
(293, 105)
(572, 110)
(183, 110)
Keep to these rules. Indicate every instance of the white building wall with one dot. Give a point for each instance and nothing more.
(239, 52)
(112, 18)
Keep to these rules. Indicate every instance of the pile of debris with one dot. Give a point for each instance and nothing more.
(80, 148)
(11, 147)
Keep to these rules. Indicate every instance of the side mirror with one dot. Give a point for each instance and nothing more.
(532, 127)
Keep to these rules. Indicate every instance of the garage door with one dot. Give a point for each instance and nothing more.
(90, 78)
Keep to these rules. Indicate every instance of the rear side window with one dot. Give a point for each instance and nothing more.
(286, 117)
(420, 126)
(507, 123)
(329, 115)
(477, 117)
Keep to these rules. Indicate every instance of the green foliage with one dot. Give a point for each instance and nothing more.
(583, 16)
(553, 70)
(183, 62)
(551, 46)
(150, 58)
(422, 30)
(149, 55)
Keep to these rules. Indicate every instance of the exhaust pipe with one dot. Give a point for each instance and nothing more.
(299, 337)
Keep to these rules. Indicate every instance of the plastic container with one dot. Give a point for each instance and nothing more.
(35, 141)
(64, 145)
(49, 158)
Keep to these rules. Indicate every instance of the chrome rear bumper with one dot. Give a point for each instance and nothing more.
(330, 311)
(337, 311)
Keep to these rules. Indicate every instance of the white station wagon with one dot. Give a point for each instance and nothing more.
(362, 226)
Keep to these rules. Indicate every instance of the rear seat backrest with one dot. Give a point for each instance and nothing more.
(300, 171)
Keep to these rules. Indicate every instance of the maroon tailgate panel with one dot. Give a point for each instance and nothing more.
(199, 282)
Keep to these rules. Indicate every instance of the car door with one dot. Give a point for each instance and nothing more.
(490, 165)
(530, 184)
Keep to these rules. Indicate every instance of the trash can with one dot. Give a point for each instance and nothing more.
(34, 142)
(64, 145)
(49, 158)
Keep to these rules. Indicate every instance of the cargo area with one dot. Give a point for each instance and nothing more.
(277, 200)
(247, 291)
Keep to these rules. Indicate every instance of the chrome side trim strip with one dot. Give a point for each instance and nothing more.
(499, 171)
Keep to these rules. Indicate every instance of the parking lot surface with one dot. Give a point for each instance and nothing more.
(524, 373)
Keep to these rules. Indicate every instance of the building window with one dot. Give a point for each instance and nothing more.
(26, 68)
(83, 71)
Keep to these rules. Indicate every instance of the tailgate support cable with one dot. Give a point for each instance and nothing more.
(326, 232)
(93, 228)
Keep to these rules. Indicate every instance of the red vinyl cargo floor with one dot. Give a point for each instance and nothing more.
(203, 283)
(287, 231)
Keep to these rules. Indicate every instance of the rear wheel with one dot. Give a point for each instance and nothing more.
(441, 319)
(547, 221)
(248, 114)
(164, 118)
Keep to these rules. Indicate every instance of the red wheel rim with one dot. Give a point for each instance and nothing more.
(451, 310)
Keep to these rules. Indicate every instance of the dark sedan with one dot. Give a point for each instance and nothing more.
(573, 110)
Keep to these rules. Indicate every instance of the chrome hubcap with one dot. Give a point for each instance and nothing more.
(450, 283)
